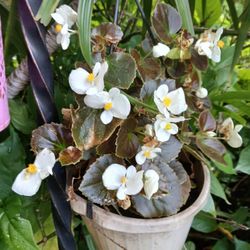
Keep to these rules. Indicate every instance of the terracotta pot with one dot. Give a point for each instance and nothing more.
(114, 232)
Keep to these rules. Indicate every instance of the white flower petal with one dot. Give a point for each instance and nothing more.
(26, 184)
(178, 104)
(162, 91)
(177, 119)
(205, 49)
(160, 50)
(140, 158)
(174, 129)
(78, 81)
(162, 135)
(151, 183)
(58, 18)
(131, 172)
(121, 193)
(228, 123)
(106, 117)
(99, 79)
(96, 69)
(235, 140)
(112, 176)
(134, 185)
(45, 161)
(238, 127)
(65, 41)
(92, 91)
(96, 101)
(216, 54)
(121, 106)
(218, 35)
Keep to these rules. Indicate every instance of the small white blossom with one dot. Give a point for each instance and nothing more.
(125, 181)
(146, 153)
(160, 50)
(29, 179)
(173, 101)
(65, 18)
(149, 130)
(151, 183)
(83, 82)
(113, 102)
(231, 133)
(165, 126)
(201, 92)
(210, 44)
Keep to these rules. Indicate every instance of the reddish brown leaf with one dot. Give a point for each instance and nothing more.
(70, 155)
(207, 121)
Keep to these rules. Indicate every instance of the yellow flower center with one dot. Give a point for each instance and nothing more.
(167, 101)
(58, 28)
(91, 77)
(168, 126)
(123, 180)
(220, 44)
(108, 106)
(147, 154)
(31, 169)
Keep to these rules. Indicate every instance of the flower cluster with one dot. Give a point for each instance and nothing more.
(134, 115)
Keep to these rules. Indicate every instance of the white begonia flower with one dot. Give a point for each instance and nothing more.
(29, 179)
(151, 183)
(113, 102)
(82, 82)
(146, 153)
(210, 44)
(231, 133)
(125, 180)
(173, 101)
(165, 126)
(160, 50)
(65, 18)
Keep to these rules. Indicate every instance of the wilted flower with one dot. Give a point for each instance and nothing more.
(126, 181)
(113, 102)
(165, 126)
(201, 92)
(210, 44)
(151, 183)
(146, 153)
(160, 50)
(231, 133)
(173, 101)
(65, 18)
(29, 179)
(83, 82)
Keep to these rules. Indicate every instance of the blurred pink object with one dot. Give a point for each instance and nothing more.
(4, 109)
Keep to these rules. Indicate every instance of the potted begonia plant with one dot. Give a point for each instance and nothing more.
(137, 141)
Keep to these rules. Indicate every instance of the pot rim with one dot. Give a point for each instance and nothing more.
(112, 221)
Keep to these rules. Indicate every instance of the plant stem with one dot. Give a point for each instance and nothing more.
(147, 25)
(140, 103)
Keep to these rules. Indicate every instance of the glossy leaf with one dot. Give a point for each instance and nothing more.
(204, 222)
(70, 155)
(110, 32)
(92, 185)
(243, 164)
(148, 68)
(206, 121)
(88, 129)
(46, 9)
(166, 21)
(227, 168)
(21, 118)
(200, 62)
(16, 232)
(122, 70)
(167, 200)
(127, 143)
(239, 94)
(212, 148)
(52, 136)
(217, 189)
(184, 10)
(85, 8)
(170, 149)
